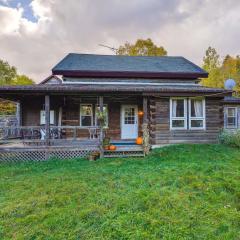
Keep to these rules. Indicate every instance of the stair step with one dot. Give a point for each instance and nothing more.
(124, 153)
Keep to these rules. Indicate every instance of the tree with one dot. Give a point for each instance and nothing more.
(219, 71)
(141, 48)
(211, 59)
(211, 63)
(9, 76)
(7, 73)
(23, 80)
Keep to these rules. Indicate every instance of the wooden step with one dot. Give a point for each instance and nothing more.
(125, 152)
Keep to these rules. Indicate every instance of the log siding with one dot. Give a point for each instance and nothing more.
(160, 123)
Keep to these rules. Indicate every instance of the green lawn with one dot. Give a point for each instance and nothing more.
(177, 192)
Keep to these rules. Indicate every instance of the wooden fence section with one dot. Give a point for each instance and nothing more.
(45, 153)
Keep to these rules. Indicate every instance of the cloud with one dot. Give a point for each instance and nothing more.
(183, 27)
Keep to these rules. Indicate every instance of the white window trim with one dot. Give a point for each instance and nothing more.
(52, 117)
(236, 118)
(104, 105)
(84, 104)
(178, 118)
(197, 118)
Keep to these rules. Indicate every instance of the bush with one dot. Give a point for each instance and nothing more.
(231, 138)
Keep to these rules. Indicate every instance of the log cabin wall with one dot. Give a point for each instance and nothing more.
(160, 132)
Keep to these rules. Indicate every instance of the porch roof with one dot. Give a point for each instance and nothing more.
(231, 100)
(145, 89)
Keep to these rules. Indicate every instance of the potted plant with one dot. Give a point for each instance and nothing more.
(94, 156)
(106, 143)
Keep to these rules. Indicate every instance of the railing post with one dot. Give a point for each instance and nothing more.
(145, 127)
(75, 133)
(47, 119)
(101, 126)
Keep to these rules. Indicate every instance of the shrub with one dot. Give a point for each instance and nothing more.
(231, 138)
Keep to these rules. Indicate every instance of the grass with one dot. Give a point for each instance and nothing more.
(177, 192)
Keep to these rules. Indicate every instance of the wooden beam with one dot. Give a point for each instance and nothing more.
(19, 113)
(47, 118)
(145, 110)
(101, 126)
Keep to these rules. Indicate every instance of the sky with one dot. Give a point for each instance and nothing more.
(35, 35)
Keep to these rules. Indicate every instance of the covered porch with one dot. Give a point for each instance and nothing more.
(82, 122)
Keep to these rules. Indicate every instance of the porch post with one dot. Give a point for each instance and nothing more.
(19, 113)
(145, 127)
(47, 119)
(101, 126)
(19, 118)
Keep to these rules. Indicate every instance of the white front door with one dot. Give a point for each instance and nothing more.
(129, 121)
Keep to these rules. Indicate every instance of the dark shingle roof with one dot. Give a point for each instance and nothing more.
(115, 63)
(232, 100)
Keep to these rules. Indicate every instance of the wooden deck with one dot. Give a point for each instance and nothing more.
(64, 149)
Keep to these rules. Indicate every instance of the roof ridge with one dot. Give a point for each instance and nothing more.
(115, 55)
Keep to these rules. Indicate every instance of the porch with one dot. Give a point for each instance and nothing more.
(74, 126)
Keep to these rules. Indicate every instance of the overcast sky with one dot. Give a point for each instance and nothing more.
(35, 35)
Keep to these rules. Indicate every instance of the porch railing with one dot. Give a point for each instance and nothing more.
(37, 134)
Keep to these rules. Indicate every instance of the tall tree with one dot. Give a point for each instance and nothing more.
(211, 63)
(219, 71)
(9, 76)
(23, 80)
(7, 73)
(141, 48)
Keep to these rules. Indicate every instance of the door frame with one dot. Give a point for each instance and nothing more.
(121, 118)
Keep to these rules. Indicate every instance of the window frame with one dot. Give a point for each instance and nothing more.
(52, 114)
(95, 118)
(80, 115)
(236, 118)
(184, 118)
(190, 118)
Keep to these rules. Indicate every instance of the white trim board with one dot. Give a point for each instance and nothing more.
(133, 83)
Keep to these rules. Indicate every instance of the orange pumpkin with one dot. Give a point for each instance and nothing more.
(139, 140)
(112, 148)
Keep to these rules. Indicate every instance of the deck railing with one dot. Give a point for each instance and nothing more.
(37, 134)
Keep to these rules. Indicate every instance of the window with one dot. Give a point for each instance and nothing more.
(42, 117)
(231, 118)
(86, 115)
(105, 115)
(178, 113)
(129, 115)
(196, 113)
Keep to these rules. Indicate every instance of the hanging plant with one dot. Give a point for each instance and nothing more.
(101, 117)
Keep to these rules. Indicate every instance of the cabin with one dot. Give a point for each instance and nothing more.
(91, 101)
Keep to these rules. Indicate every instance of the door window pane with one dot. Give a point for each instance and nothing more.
(129, 115)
